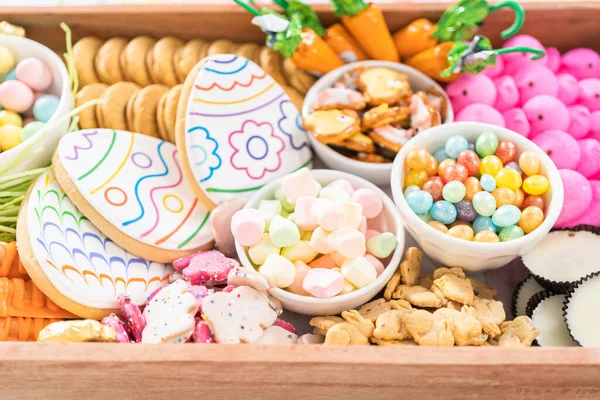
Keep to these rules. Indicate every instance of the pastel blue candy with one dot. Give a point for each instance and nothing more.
(506, 215)
(482, 223)
(443, 211)
(440, 154)
(465, 211)
(419, 201)
(488, 183)
(455, 145)
(410, 189)
(45, 107)
(11, 76)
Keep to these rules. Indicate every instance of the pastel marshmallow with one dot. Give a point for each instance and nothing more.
(330, 215)
(349, 242)
(279, 195)
(336, 194)
(298, 184)
(381, 246)
(307, 235)
(269, 209)
(362, 228)
(301, 251)
(590, 157)
(296, 286)
(348, 287)
(342, 184)
(359, 271)
(370, 201)
(325, 261)
(260, 251)
(580, 121)
(283, 232)
(247, 226)
(352, 214)
(281, 270)
(323, 283)
(379, 267)
(303, 215)
(318, 241)
(337, 258)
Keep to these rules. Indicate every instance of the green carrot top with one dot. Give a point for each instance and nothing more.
(308, 17)
(348, 7)
(288, 41)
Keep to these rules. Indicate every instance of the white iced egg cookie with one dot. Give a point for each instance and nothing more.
(547, 316)
(72, 262)
(581, 312)
(131, 186)
(238, 131)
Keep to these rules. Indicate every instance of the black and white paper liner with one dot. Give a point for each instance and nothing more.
(562, 287)
(536, 299)
(515, 297)
(550, 321)
(567, 301)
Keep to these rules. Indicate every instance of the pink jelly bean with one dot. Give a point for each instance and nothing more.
(589, 93)
(133, 315)
(342, 184)
(581, 63)
(545, 112)
(578, 196)
(247, 226)
(516, 120)
(580, 121)
(590, 157)
(374, 261)
(561, 147)
(535, 79)
(34, 73)
(323, 283)
(480, 113)
(568, 88)
(595, 124)
(469, 89)
(496, 70)
(553, 59)
(370, 201)
(202, 333)
(220, 219)
(516, 61)
(115, 322)
(200, 293)
(285, 325)
(15, 96)
(592, 214)
(209, 267)
(508, 93)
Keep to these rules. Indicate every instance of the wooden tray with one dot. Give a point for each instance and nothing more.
(102, 371)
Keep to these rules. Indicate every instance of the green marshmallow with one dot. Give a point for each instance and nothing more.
(382, 245)
(336, 194)
(269, 209)
(283, 232)
(287, 206)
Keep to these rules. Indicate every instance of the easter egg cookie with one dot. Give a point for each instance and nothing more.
(236, 129)
(132, 187)
(72, 262)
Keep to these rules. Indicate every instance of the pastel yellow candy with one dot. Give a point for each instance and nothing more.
(301, 251)
(280, 269)
(306, 235)
(7, 60)
(336, 194)
(359, 271)
(10, 118)
(352, 214)
(318, 241)
(260, 251)
(269, 209)
(348, 287)
(10, 136)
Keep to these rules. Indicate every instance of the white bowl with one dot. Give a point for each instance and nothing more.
(473, 256)
(48, 137)
(316, 306)
(378, 174)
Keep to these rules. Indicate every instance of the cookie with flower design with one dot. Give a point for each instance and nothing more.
(236, 129)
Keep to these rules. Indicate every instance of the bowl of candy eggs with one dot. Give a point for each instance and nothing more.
(35, 95)
(360, 115)
(475, 195)
(327, 240)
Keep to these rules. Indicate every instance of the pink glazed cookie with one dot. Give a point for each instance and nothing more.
(562, 148)
(545, 112)
(578, 197)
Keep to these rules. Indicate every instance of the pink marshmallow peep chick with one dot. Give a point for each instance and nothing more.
(508, 93)
(590, 157)
(553, 59)
(580, 121)
(589, 94)
(535, 79)
(581, 63)
(578, 197)
(481, 113)
(568, 88)
(595, 125)
(515, 61)
(545, 112)
(592, 215)
(516, 120)
(561, 147)
(471, 89)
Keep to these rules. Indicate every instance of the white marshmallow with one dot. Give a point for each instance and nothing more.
(280, 269)
(352, 214)
(298, 184)
(349, 242)
(260, 251)
(359, 271)
(318, 241)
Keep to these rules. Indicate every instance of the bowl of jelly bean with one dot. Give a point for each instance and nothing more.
(28, 137)
(475, 195)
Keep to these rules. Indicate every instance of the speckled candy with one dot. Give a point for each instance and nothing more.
(45, 107)
(443, 211)
(510, 233)
(516, 120)
(470, 89)
(482, 223)
(465, 211)
(568, 88)
(561, 147)
(590, 157)
(454, 146)
(419, 201)
(578, 196)
(506, 215)
(433, 186)
(480, 113)
(15, 96)
(484, 203)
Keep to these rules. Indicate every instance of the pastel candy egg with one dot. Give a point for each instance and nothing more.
(581, 63)
(595, 124)
(480, 113)
(359, 271)
(590, 157)
(342, 184)
(303, 214)
(545, 112)
(298, 184)
(370, 200)
(301, 251)
(496, 70)
(455, 145)
(515, 61)
(508, 178)
(323, 283)
(578, 196)
(440, 154)
(488, 183)
(553, 59)
(45, 107)
(535, 79)
(589, 93)
(281, 270)
(484, 203)
(580, 121)
(506, 215)
(516, 120)
(7, 60)
(438, 226)
(34, 73)
(504, 196)
(412, 188)
(454, 191)
(259, 252)
(269, 209)
(16, 96)
(470, 160)
(283, 232)
(464, 232)
(530, 163)
(379, 267)
(561, 147)
(318, 241)
(348, 242)
(443, 211)
(296, 286)
(508, 93)
(465, 211)
(338, 195)
(470, 89)
(510, 233)
(486, 237)
(10, 118)
(419, 201)
(592, 214)
(531, 218)
(11, 76)
(381, 246)
(490, 165)
(506, 151)
(482, 223)
(433, 186)
(31, 129)
(10, 136)
(247, 226)
(568, 88)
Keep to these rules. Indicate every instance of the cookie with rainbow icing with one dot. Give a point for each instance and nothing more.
(72, 262)
(131, 186)
(236, 129)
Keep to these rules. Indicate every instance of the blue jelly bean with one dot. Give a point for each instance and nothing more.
(506, 215)
(419, 201)
(45, 107)
(484, 223)
(465, 211)
(455, 145)
(410, 189)
(440, 154)
(443, 211)
(425, 217)
(514, 165)
(488, 183)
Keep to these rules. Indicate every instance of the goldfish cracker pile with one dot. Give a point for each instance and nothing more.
(24, 104)
(315, 241)
(446, 308)
(480, 192)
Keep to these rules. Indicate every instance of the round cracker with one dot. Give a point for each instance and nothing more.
(272, 62)
(160, 117)
(84, 54)
(134, 60)
(162, 57)
(170, 111)
(250, 51)
(107, 61)
(221, 46)
(115, 100)
(189, 55)
(144, 109)
(87, 116)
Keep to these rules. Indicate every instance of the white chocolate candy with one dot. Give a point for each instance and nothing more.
(247, 226)
(301, 251)
(298, 184)
(318, 241)
(359, 271)
(277, 335)
(336, 194)
(269, 209)
(238, 316)
(303, 215)
(382, 245)
(240, 276)
(349, 242)
(260, 251)
(283, 232)
(296, 286)
(352, 214)
(170, 315)
(280, 269)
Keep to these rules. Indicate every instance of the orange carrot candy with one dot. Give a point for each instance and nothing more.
(415, 37)
(433, 61)
(366, 24)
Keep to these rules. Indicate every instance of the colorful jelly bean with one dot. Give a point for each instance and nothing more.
(454, 191)
(482, 223)
(473, 186)
(443, 211)
(415, 177)
(488, 183)
(486, 144)
(455, 145)
(490, 165)
(419, 201)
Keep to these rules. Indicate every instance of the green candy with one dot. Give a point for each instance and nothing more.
(511, 232)
(486, 144)
(283, 232)
(31, 129)
(382, 245)
(269, 209)
(287, 206)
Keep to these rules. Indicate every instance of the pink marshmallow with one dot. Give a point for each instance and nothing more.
(561, 147)
(580, 121)
(362, 228)
(553, 59)
(303, 215)
(301, 271)
(325, 261)
(568, 88)
(342, 184)
(515, 61)
(590, 157)
(332, 217)
(481, 113)
(589, 93)
(508, 94)
(323, 283)
(578, 196)
(496, 70)
(595, 124)
(298, 184)
(349, 242)
(374, 261)
(592, 214)
(34, 73)
(371, 233)
(370, 200)
(545, 112)
(534, 80)
(247, 226)
(15, 96)
(516, 120)
(469, 89)
(581, 63)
